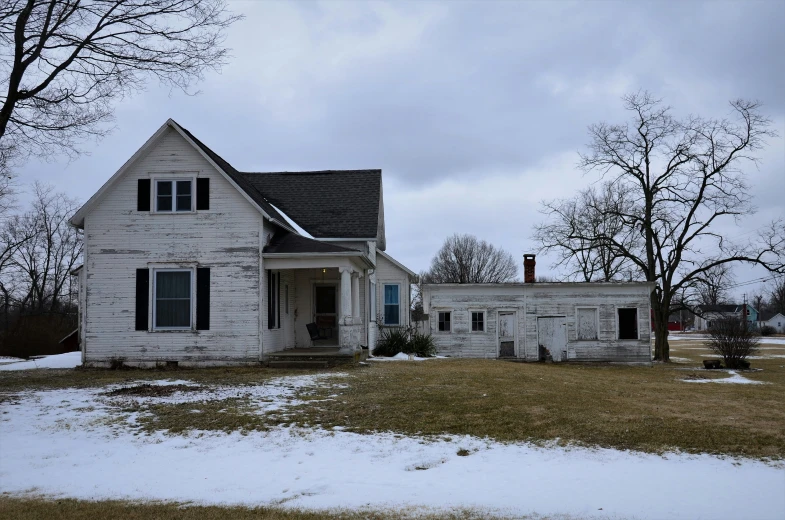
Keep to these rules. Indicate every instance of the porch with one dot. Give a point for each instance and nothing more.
(316, 303)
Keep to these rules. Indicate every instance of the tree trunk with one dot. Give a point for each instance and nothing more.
(661, 347)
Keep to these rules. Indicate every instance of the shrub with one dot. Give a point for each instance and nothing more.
(421, 345)
(734, 340)
(391, 342)
(767, 330)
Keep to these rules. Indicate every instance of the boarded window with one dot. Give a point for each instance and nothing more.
(478, 321)
(444, 322)
(587, 324)
(628, 323)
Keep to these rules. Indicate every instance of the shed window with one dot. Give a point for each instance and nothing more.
(392, 304)
(173, 196)
(587, 324)
(628, 323)
(478, 321)
(444, 322)
(173, 299)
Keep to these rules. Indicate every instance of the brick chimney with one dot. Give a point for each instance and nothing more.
(528, 268)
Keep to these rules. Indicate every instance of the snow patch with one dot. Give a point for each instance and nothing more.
(68, 360)
(63, 447)
(735, 378)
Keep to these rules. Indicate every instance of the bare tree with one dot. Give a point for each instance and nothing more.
(711, 285)
(777, 295)
(45, 261)
(595, 212)
(465, 259)
(67, 61)
(685, 177)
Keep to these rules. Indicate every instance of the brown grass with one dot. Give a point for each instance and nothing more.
(41, 509)
(627, 407)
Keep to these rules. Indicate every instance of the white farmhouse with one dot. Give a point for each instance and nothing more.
(188, 260)
(772, 319)
(536, 321)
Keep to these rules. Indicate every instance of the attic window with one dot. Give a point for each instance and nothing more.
(173, 196)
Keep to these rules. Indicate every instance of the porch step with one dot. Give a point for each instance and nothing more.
(298, 363)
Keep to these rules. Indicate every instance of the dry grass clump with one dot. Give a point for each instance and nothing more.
(68, 509)
(148, 390)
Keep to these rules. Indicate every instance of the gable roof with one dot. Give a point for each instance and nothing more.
(285, 243)
(766, 316)
(329, 204)
(396, 263)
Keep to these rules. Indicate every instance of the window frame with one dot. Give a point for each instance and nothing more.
(154, 297)
(173, 179)
(596, 310)
(385, 304)
(472, 312)
(439, 320)
(637, 324)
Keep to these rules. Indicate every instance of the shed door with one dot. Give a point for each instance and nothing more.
(506, 334)
(552, 334)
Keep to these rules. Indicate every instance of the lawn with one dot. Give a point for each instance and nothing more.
(373, 440)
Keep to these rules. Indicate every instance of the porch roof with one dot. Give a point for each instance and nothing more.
(285, 243)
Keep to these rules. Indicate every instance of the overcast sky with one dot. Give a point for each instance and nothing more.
(474, 112)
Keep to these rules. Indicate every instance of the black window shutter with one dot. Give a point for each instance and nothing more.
(203, 298)
(143, 195)
(270, 303)
(202, 193)
(142, 297)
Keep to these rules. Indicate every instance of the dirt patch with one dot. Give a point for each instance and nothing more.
(148, 390)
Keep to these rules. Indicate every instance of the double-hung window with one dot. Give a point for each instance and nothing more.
(173, 196)
(173, 299)
(478, 321)
(444, 321)
(392, 304)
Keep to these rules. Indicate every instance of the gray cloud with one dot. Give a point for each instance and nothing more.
(458, 102)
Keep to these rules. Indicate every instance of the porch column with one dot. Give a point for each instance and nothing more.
(346, 294)
(356, 296)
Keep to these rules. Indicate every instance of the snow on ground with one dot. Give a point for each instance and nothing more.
(68, 360)
(735, 378)
(62, 446)
(400, 356)
(702, 337)
(9, 359)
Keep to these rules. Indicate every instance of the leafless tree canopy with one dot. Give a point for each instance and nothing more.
(777, 296)
(711, 286)
(594, 212)
(66, 61)
(39, 249)
(680, 178)
(465, 259)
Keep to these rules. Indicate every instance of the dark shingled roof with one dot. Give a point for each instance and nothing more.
(766, 316)
(327, 204)
(288, 243)
(732, 307)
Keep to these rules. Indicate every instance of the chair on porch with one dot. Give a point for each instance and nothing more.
(313, 330)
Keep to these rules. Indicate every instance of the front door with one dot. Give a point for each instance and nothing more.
(552, 336)
(506, 334)
(325, 310)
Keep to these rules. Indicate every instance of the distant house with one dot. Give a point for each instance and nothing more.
(772, 319)
(706, 314)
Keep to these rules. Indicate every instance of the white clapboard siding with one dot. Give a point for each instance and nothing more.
(531, 301)
(387, 273)
(121, 239)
